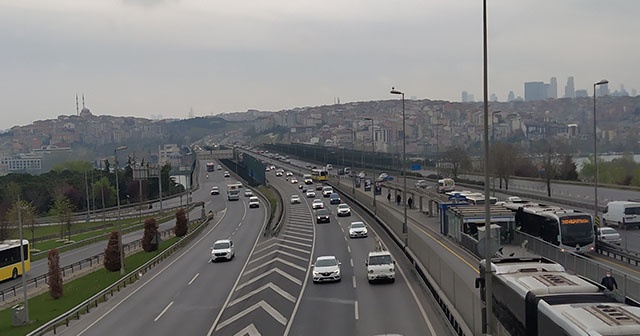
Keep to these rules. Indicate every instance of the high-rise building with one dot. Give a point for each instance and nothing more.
(511, 96)
(569, 89)
(534, 91)
(465, 96)
(553, 88)
(603, 90)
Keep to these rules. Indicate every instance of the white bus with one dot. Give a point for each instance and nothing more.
(445, 185)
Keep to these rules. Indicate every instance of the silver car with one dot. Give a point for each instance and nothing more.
(357, 230)
(608, 235)
(326, 268)
(317, 204)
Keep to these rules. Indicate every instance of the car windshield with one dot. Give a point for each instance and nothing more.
(357, 225)
(343, 206)
(608, 231)
(221, 245)
(322, 212)
(326, 262)
(380, 260)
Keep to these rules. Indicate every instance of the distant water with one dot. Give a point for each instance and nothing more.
(607, 158)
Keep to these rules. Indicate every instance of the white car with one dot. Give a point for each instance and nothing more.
(248, 193)
(608, 235)
(380, 266)
(310, 194)
(317, 204)
(326, 268)
(226, 173)
(357, 230)
(278, 173)
(215, 190)
(289, 173)
(327, 191)
(222, 250)
(343, 210)
(254, 202)
(294, 180)
(295, 199)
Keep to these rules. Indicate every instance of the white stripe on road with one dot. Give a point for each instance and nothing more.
(163, 311)
(354, 281)
(355, 307)
(194, 279)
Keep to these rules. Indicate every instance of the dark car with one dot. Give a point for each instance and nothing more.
(323, 216)
(334, 198)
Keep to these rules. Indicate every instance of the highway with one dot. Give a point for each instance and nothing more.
(184, 294)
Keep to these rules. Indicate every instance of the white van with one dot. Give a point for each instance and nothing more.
(622, 214)
(380, 266)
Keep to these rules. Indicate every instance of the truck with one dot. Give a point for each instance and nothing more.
(233, 192)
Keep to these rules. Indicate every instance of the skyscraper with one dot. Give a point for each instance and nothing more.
(553, 88)
(534, 91)
(569, 89)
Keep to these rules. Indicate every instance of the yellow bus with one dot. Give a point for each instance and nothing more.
(319, 174)
(10, 264)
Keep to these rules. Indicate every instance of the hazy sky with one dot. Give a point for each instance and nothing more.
(164, 57)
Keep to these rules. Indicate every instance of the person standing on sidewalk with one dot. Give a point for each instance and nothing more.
(389, 197)
(410, 203)
(398, 199)
(609, 282)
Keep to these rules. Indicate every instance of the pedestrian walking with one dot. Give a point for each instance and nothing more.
(609, 282)
(398, 199)
(389, 197)
(410, 203)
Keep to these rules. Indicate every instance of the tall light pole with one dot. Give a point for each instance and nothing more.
(595, 151)
(115, 155)
(437, 150)
(404, 163)
(493, 140)
(22, 257)
(489, 318)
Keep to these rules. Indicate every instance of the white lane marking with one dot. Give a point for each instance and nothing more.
(194, 279)
(163, 311)
(355, 308)
(349, 248)
(351, 260)
(262, 304)
(152, 278)
(354, 281)
(271, 285)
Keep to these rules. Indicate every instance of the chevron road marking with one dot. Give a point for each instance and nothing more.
(294, 242)
(296, 237)
(283, 246)
(271, 285)
(276, 270)
(299, 232)
(277, 259)
(280, 252)
(250, 330)
(265, 306)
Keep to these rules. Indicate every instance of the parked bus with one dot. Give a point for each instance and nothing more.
(445, 185)
(319, 174)
(10, 264)
(570, 230)
(210, 166)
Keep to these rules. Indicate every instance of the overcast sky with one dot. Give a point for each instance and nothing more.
(147, 58)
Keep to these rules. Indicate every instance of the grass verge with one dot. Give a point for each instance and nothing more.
(43, 308)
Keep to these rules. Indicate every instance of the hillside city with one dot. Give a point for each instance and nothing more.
(432, 126)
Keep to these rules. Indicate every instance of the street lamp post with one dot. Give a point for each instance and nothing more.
(373, 150)
(595, 151)
(22, 257)
(493, 140)
(115, 154)
(404, 163)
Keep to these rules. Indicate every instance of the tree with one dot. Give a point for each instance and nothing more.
(458, 159)
(112, 253)
(63, 210)
(27, 216)
(54, 277)
(12, 190)
(502, 158)
(181, 223)
(150, 232)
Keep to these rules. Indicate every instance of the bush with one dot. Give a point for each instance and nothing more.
(54, 278)
(181, 223)
(112, 253)
(150, 232)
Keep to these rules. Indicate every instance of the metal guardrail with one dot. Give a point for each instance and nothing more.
(133, 276)
(615, 252)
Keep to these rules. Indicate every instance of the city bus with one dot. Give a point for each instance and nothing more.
(10, 264)
(570, 230)
(210, 166)
(445, 185)
(319, 174)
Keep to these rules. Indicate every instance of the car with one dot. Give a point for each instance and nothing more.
(215, 190)
(329, 166)
(248, 193)
(310, 194)
(288, 173)
(323, 215)
(308, 165)
(380, 266)
(608, 235)
(326, 268)
(294, 180)
(434, 176)
(317, 204)
(218, 167)
(226, 173)
(327, 191)
(319, 186)
(358, 230)
(278, 173)
(222, 250)
(295, 199)
(623, 214)
(334, 198)
(422, 184)
(254, 202)
(343, 210)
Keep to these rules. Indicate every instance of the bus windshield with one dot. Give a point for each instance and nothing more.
(576, 230)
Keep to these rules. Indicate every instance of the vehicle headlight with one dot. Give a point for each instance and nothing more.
(316, 273)
(337, 272)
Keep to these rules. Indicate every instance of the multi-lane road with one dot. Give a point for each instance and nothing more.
(267, 288)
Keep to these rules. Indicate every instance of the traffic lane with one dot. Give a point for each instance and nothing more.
(328, 308)
(400, 307)
(172, 299)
